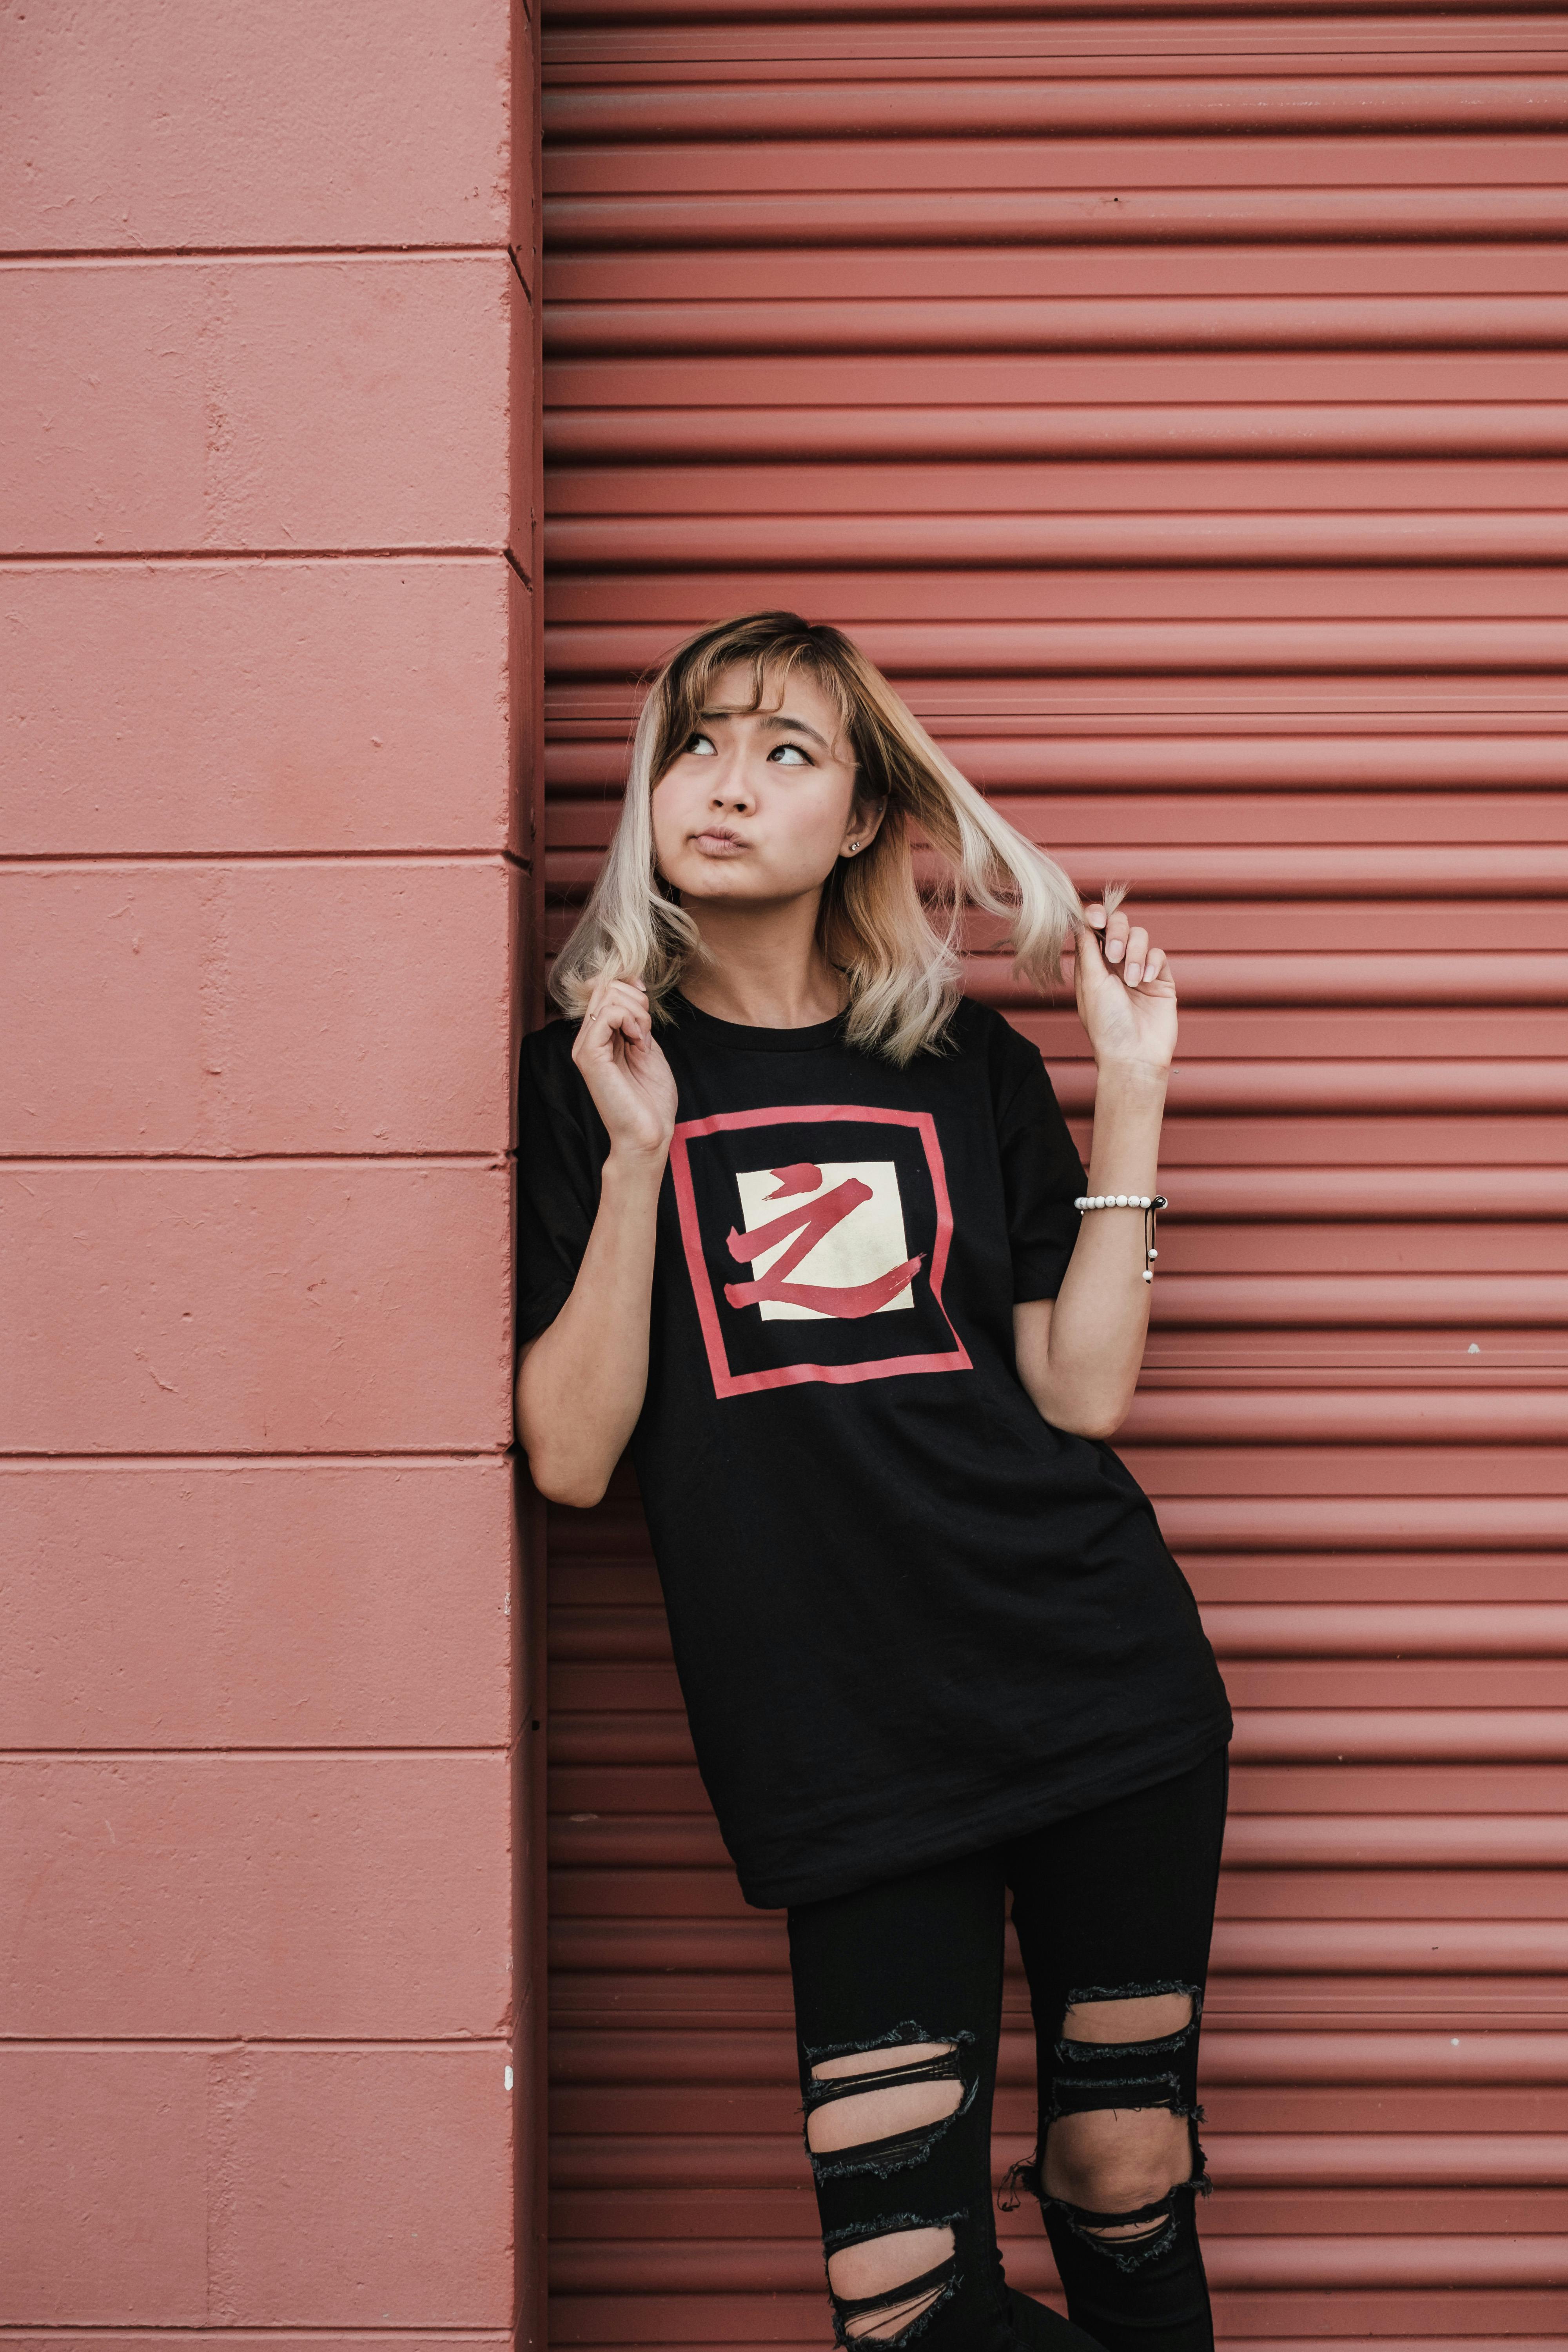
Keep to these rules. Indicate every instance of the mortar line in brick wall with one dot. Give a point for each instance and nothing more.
(33, 1163)
(329, 860)
(174, 1754)
(110, 559)
(44, 257)
(500, 2042)
(423, 1457)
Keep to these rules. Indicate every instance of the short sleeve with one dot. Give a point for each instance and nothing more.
(1041, 1175)
(560, 1147)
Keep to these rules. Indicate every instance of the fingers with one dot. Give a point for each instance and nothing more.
(1124, 946)
(1093, 929)
(1112, 932)
(621, 997)
(617, 1008)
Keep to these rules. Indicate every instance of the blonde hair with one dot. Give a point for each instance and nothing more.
(897, 951)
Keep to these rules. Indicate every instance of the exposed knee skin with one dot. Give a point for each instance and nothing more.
(867, 2116)
(1116, 2161)
(878, 2267)
(1119, 2159)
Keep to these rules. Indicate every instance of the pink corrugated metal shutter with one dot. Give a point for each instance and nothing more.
(1177, 407)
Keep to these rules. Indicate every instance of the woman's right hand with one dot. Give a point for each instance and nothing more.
(624, 1068)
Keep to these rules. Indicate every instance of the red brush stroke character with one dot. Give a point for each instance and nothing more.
(809, 1221)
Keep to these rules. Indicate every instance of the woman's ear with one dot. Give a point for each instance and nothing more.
(865, 824)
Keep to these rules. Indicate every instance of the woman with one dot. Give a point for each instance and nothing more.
(809, 1231)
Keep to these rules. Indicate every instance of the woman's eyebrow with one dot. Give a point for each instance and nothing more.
(798, 727)
(776, 719)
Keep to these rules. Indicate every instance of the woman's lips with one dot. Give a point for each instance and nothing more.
(718, 845)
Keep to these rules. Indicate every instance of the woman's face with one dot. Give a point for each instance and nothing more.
(760, 804)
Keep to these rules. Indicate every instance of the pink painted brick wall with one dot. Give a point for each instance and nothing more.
(266, 677)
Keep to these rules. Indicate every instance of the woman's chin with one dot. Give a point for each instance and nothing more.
(719, 880)
(738, 885)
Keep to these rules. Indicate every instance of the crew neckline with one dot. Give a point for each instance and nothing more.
(741, 1037)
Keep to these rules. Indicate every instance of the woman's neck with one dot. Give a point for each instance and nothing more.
(763, 969)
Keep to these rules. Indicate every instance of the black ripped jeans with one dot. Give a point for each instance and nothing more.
(1114, 1904)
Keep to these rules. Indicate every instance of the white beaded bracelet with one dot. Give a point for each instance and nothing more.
(1149, 1202)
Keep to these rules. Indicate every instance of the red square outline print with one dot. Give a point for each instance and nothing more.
(727, 1383)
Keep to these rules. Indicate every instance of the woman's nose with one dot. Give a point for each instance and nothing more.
(730, 789)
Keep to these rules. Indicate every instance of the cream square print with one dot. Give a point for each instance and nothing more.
(864, 1242)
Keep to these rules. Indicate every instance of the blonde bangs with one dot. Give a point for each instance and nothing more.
(896, 946)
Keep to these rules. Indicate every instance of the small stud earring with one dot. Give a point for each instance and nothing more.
(853, 847)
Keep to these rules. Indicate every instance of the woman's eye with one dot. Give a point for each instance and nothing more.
(789, 755)
(703, 746)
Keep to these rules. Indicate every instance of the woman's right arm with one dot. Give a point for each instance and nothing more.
(580, 1384)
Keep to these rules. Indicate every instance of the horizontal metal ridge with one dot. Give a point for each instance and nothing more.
(738, 219)
(1284, 1414)
(1286, 1947)
(1231, 785)
(1025, 98)
(1327, 1088)
(1326, 1629)
(1000, 649)
(1210, 874)
(1388, 1735)
(1252, 2159)
(997, 323)
(1113, 29)
(648, 2266)
(899, 542)
(1264, 2057)
(1338, 976)
(1297, 1842)
(1437, 428)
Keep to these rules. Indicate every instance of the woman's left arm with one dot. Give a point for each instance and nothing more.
(1079, 1353)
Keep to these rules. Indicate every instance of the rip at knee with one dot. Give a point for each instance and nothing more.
(887, 2278)
(881, 2107)
(1126, 2191)
(1120, 2156)
(1118, 2167)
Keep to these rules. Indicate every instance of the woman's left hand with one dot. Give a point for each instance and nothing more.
(1126, 994)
